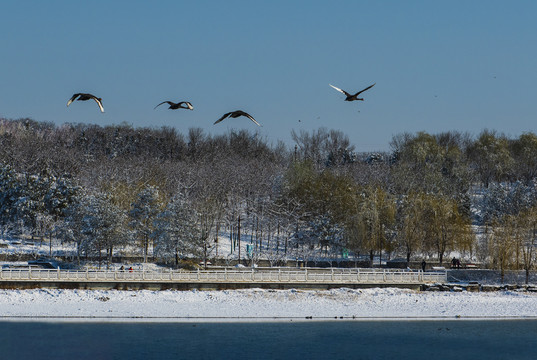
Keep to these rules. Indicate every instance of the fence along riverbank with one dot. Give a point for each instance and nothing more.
(218, 279)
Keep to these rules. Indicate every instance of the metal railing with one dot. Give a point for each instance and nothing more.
(333, 276)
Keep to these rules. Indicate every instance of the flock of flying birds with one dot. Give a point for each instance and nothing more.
(188, 105)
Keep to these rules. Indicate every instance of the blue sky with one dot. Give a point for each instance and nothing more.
(437, 65)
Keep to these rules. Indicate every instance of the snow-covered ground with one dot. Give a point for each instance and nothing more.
(261, 305)
(248, 305)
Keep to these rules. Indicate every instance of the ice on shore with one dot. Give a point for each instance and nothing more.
(257, 304)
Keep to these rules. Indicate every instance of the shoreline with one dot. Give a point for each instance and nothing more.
(181, 320)
(256, 305)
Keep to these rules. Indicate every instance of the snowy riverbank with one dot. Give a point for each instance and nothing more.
(261, 305)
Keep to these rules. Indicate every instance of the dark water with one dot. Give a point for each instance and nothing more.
(515, 339)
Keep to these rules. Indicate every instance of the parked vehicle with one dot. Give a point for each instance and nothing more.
(45, 263)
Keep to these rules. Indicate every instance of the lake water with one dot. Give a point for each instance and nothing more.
(505, 339)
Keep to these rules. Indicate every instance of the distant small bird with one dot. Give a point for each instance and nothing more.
(236, 114)
(350, 97)
(178, 105)
(84, 97)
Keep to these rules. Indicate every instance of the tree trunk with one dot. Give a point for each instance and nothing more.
(380, 257)
(146, 248)
(239, 236)
(440, 257)
(216, 238)
(78, 253)
(100, 255)
(111, 255)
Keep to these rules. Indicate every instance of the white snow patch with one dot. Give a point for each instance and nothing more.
(257, 304)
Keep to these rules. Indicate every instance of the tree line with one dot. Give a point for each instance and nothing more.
(170, 196)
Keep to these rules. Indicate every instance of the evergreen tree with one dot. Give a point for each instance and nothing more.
(175, 230)
(144, 211)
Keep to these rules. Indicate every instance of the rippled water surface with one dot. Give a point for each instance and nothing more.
(505, 339)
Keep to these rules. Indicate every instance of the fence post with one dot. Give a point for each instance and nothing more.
(59, 273)
(87, 274)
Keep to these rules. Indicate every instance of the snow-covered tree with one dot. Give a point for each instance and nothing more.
(529, 240)
(445, 227)
(372, 223)
(490, 157)
(103, 224)
(10, 190)
(60, 194)
(70, 229)
(411, 232)
(142, 215)
(175, 230)
(506, 199)
(208, 214)
(95, 224)
(316, 237)
(30, 201)
(525, 155)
